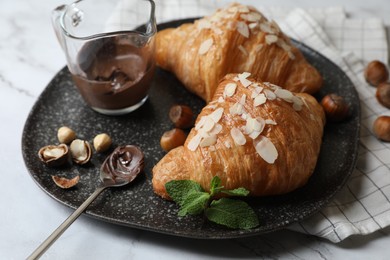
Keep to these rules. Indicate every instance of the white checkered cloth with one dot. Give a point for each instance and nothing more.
(363, 206)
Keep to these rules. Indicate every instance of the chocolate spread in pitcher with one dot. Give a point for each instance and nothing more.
(114, 73)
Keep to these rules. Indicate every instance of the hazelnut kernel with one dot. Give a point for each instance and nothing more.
(335, 107)
(65, 135)
(181, 116)
(376, 73)
(382, 128)
(383, 94)
(172, 139)
(81, 151)
(102, 142)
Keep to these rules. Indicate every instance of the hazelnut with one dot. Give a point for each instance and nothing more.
(65, 135)
(181, 116)
(382, 128)
(172, 139)
(376, 73)
(383, 94)
(102, 142)
(335, 107)
(81, 151)
(54, 155)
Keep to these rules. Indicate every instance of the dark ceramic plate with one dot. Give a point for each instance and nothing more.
(136, 205)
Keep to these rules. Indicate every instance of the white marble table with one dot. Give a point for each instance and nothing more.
(29, 57)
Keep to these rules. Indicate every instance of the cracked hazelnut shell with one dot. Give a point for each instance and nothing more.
(81, 151)
(54, 155)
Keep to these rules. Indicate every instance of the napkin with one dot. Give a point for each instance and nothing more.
(363, 205)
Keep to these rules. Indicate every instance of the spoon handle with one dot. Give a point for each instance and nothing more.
(61, 229)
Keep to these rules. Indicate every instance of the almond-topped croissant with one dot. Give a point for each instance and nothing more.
(252, 135)
(232, 40)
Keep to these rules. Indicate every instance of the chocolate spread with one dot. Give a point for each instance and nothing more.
(113, 73)
(125, 162)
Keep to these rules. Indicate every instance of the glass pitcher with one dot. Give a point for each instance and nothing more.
(110, 51)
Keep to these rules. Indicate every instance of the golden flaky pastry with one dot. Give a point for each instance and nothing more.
(232, 40)
(252, 135)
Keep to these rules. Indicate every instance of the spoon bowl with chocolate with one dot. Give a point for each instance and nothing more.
(120, 168)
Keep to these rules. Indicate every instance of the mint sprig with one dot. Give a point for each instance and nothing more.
(193, 200)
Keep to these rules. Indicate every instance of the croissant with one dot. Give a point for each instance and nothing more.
(253, 135)
(232, 40)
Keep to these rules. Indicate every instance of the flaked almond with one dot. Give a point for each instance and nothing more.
(243, 79)
(243, 29)
(238, 136)
(266, 149)
(217, 115)
(65, 183)
(253, 25)
(243, 99)
(205, 46)
(259, 100)
(284, 94)
(216, 129)
(230, 89)
(208, 124)
(270, 122)
(269, 94)
(265, 27)
(236, 109)
(210, 140)
(194, 143)
(270, 39)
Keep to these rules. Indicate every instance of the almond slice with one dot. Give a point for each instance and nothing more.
(216, 115)
(237, 136)
(254, 134)
(212, 139)
(270, 39)
(236, 109)
(205, 46)
(243, 29)
(266, 149)
(259, 100)
(216, 129)
(284, 94)
(265, 27)
(208, 124)
(194, 143)
(221, 100)
(200, 123)
(230, 89)
(269, 94)
(270, 122)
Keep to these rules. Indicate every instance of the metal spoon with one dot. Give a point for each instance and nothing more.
(119, 169)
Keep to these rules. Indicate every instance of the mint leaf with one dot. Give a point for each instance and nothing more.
(194, 203)
(237, 192)
(179, 189)
(232, 213)
(215, 186)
